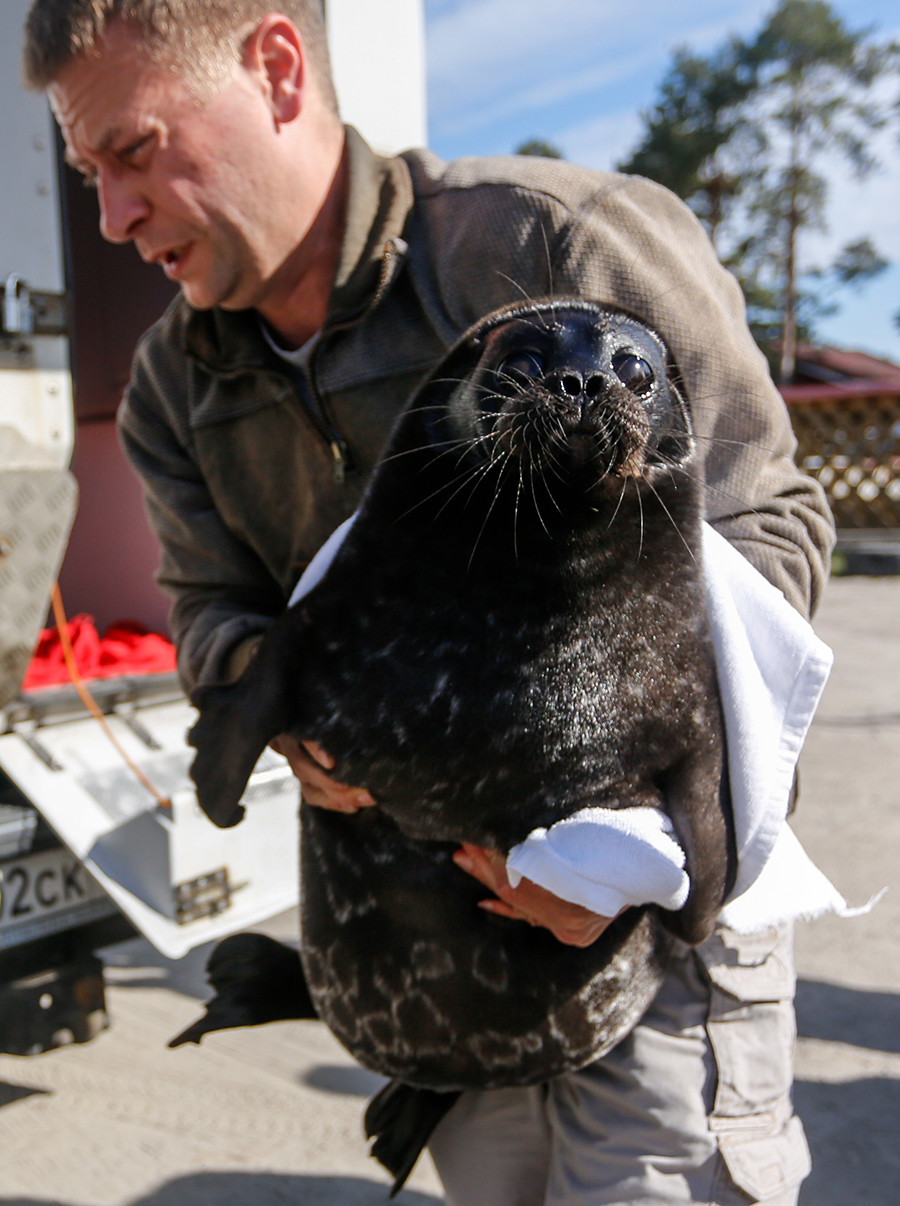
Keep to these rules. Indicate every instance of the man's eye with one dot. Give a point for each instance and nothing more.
(135, 149)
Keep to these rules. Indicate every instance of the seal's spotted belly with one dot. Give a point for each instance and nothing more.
(422, 985)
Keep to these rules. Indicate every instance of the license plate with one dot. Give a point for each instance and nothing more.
(46, 892)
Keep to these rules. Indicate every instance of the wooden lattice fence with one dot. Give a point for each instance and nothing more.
(849, 439)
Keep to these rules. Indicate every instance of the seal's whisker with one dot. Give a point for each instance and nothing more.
(537, 505)
(472, 473)
(515, 527)
(659, 499)
(484, 524)
(452, 446)
(471, 479)
(553, 464)
(508, 379)
(555, 468)
(618, 504)
(543, 325)
(703, 437)
(491, 435)
(463, 444)
(442, 381)
(460, 450)
(534, 309)
(549, 260)
(423, 408)
(709, 487)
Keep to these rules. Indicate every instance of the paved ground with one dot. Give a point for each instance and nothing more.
(848, 1000)
(272, 1115)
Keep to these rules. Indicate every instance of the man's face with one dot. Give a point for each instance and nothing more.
(184, 179)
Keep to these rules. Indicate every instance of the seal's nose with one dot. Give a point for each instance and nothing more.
(579, 394)
(568, 384)
(572, 384)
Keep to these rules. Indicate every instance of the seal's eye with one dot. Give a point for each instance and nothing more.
(524, 363)
(634, 373)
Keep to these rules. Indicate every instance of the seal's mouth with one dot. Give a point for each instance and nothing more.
(580, 447)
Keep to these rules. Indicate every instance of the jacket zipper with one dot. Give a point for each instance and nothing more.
(394, 250)
(340, 454)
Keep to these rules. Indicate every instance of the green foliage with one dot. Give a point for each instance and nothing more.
(696, 120)
(537, 146)
(858, 262)
(741, 136)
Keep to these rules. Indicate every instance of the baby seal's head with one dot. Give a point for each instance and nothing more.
(573, 390)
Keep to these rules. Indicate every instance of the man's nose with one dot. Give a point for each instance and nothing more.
(123, 207)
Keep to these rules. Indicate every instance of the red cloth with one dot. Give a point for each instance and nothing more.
(125, 648)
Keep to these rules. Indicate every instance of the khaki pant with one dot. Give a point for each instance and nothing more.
(692, 1107)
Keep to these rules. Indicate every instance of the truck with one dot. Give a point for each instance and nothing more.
(101, 837)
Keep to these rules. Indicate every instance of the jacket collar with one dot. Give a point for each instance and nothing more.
(379, 198)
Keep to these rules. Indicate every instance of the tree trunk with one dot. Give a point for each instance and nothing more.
(788, 363)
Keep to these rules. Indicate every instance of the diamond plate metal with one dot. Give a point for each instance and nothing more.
(37, 506)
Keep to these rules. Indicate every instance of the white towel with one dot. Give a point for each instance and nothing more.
(771, 669)
(789, 887)
(605, 859)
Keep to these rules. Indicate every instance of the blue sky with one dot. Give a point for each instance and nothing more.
(579, 72)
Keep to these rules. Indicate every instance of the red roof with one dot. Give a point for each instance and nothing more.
(817, 365)
(834, 372)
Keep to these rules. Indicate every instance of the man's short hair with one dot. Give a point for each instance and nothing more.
(200, 39)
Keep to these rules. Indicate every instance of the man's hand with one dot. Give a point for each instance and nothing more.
(569, 923)
(310, 764)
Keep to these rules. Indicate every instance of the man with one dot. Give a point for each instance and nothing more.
(318, 283)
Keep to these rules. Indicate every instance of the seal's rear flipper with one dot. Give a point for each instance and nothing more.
(256, 980)
(400, 1119)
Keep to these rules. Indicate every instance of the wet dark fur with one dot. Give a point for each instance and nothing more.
(513, 629)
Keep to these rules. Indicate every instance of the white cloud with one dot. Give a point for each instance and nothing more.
(602, 142)
(530, 93)
(491, 58)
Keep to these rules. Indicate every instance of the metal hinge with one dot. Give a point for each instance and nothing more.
(206, 896)
(31, 312)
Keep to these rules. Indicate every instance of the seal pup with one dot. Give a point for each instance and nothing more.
(512, 630)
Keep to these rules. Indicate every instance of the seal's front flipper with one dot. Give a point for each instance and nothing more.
(256, 980)
(236, 724)
(400, 1119)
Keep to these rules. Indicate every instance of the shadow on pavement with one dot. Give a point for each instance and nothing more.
(262, 1189)
(851, 1125)
(836, 1013)
(10, 1092)
(343, 1080)
(135, 964)
(852, 1133)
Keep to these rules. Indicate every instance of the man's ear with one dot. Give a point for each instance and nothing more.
(275, 52)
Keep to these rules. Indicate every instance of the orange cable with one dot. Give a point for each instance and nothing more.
(62, 627)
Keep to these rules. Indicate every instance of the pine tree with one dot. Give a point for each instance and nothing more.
(742, 136)
(538, 146)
